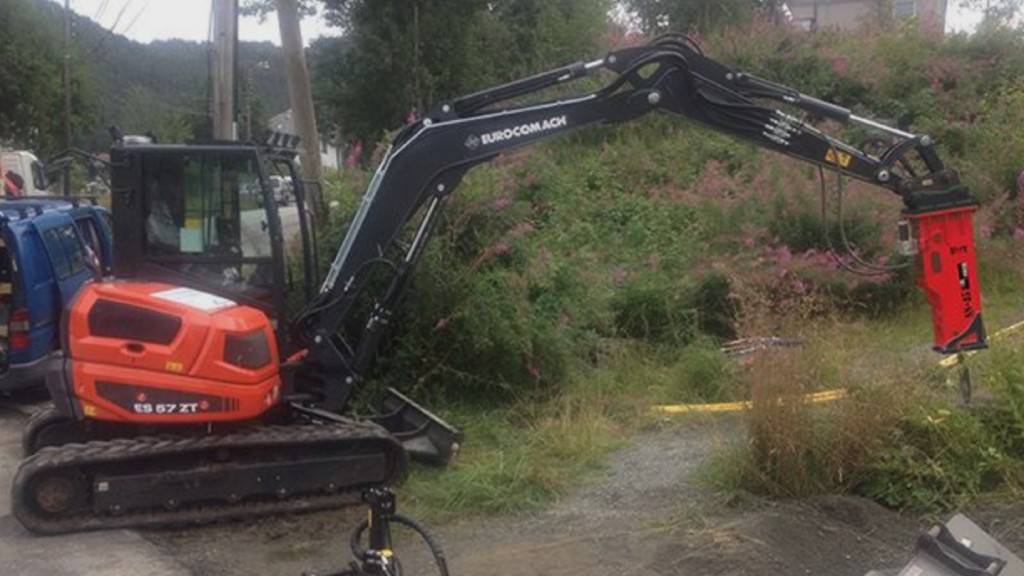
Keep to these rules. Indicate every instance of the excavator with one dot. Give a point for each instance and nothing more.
(186, 394)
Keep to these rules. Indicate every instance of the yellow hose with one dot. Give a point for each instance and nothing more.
(825, 396)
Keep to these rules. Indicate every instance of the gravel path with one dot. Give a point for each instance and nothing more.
(643, 514)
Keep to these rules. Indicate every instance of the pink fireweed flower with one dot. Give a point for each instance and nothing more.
(520, 229)
(619, 275)
(354, 154)
(500, 204)
(1018, 234)
(543, 257)
(783, 254)
(501, 248)
(840, 66)
(654, 261)
(441, 324)
(985, 230)
(533, 370)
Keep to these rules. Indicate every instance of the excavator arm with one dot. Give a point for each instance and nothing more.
(428, 159)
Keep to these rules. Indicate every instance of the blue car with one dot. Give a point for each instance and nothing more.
(48, 249)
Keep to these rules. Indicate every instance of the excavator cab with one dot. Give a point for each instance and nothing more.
(205, 217)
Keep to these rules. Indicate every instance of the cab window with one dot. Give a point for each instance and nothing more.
(200, 221)
(39, 177)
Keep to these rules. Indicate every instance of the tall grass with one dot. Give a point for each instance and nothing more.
(520, 456)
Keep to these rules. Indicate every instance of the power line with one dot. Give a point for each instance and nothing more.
(136, 18)
(99, 11)
(110, 32)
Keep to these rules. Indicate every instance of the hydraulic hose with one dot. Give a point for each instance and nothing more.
(429, 538)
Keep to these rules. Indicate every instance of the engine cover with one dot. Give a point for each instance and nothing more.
(155, 353)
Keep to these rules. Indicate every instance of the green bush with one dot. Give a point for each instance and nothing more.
(996, 146)
(937, 460)
(657, 313)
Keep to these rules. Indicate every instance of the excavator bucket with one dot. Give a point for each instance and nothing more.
(425, 436)
(960, 548)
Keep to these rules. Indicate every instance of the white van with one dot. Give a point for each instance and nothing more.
(25, 164)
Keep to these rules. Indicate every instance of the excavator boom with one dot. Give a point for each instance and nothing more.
(427, 160)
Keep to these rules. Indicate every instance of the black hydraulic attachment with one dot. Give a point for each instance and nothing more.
(960, 548)
(425, 436)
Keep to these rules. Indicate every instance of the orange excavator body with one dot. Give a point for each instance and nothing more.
(154, 353)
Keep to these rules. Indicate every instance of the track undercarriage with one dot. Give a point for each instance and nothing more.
(155, 481)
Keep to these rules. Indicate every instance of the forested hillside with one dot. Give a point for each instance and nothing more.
(162, 87)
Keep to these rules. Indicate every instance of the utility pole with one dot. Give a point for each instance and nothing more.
(225, 20)
(67, 93)
(302, 104)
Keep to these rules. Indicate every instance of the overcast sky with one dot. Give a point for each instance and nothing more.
(147, 20)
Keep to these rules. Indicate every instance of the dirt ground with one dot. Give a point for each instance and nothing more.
(643, 515)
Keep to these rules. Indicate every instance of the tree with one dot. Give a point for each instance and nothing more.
(31, 93)
(399, 56)
(142, 112)
(657, 16)
(526, 36)
(995, 14)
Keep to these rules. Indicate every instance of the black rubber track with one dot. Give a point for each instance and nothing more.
(35, 424)
(276, 441)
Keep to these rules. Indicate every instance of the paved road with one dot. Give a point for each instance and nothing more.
(110, 553)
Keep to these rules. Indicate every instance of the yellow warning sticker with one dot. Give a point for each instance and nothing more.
(844, 158)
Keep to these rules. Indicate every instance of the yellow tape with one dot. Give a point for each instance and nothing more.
(825, 396)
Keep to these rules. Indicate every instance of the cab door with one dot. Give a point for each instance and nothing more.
(66, 252)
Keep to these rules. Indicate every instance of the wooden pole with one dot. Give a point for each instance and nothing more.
(224, 22)
(67, 93)
(302, 105)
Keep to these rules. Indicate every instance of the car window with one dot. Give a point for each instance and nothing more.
(6, 262)
(88, 230)
(75, 249)
(55, 247)
(67, 252)
(107, 224)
